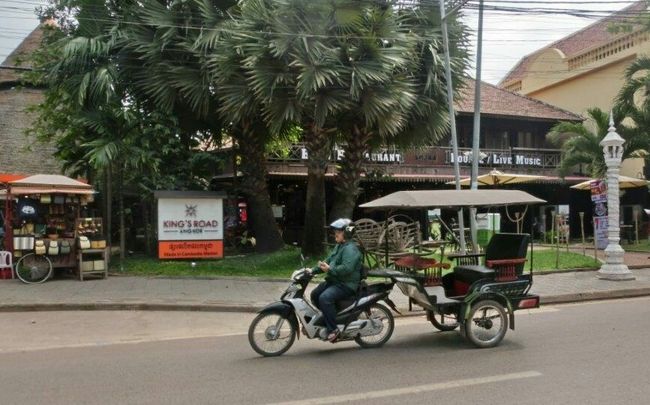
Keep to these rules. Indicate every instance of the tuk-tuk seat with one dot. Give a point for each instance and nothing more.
(505, 256)
(432, 269)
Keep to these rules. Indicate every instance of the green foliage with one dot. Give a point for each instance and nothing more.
(580, 141)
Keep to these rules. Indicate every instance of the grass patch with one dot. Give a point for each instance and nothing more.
(278, 264)
(643, 246)
(545, 260)
(282, 263)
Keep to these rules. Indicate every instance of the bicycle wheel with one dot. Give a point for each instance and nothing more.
(33, 268)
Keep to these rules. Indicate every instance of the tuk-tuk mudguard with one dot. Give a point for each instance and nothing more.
(476, 295)
(285, 309)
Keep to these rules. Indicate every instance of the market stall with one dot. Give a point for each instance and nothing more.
(43, 216)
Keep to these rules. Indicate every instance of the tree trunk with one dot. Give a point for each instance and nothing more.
(349, 175)
(315, 233)
(254, 187)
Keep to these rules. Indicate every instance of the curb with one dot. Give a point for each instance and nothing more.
(251, 308)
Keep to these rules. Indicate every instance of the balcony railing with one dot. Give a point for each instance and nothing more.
(439, 156)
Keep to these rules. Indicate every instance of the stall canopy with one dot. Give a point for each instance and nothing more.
(623, 182)
(49, 183)
(452, 198)
(497, 178)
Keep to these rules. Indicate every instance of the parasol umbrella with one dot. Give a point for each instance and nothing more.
(496, 178)
(623, 182)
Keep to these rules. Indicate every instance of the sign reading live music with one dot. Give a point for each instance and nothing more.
(190, 225)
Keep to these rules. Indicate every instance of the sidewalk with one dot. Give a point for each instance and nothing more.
(248, 295)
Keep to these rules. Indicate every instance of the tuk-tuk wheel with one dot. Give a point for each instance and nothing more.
(487, 324)
(442, 322)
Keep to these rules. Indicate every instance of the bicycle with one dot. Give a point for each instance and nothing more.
(33, 268)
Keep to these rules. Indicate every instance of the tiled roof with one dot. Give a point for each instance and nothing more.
(500, 102)
(594, 35)
(20, 54)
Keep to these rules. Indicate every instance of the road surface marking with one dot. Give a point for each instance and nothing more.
(117, 341)
(418, 389)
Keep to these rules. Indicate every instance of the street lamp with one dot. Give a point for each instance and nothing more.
(614, 267)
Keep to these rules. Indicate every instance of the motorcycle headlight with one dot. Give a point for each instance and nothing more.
(291, 291)
(296, 274)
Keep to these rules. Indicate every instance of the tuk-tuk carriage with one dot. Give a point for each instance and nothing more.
(477, 296)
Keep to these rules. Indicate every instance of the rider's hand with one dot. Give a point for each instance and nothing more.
(324, 266)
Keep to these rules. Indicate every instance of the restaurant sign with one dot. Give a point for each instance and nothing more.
(492, 159)
(378, 156)
(190, 225)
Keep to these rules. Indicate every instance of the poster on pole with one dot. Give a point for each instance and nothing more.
(599, 200)
(190, 225)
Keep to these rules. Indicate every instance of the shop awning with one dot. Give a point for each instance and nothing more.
(49, 183)
(7, 177)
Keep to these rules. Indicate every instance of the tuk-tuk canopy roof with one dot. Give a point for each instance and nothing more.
(452, 199)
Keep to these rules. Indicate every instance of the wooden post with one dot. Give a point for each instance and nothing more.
(582, 232)
(556, 235)
(595, 244)
(566, 228)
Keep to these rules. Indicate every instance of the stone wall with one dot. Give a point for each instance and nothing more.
(19, 153)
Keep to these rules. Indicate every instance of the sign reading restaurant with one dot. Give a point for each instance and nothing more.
(499, 159)
(190, 225)
(379, 156)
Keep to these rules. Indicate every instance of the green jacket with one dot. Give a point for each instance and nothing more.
(345, 265)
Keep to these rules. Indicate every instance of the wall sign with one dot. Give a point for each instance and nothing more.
(497, 159)
(379, 156)
(599, 199)
(190, 225)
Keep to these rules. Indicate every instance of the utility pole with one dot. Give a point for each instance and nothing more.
(452, 117)
(477, 126)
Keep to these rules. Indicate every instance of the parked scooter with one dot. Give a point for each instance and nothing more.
(360, 318)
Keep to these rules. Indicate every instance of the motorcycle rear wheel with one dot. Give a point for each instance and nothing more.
(271, 334)
(377, 313)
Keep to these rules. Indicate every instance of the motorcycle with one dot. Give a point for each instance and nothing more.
(360, 318)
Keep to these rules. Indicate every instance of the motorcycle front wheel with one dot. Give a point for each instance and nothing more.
(271, 334)
(380, 316)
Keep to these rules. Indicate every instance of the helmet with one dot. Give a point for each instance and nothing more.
(345, 225)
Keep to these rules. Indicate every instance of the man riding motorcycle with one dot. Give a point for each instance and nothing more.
(343, 274)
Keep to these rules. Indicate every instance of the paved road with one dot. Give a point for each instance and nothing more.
(594, 353)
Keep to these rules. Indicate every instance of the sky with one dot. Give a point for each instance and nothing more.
(507, 35)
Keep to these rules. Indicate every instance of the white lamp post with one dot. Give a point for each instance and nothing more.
(614, 267)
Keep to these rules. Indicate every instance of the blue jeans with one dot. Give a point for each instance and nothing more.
(324, 297)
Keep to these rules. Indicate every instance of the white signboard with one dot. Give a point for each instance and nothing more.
(190, 219)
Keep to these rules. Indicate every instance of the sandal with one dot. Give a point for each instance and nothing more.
(333, 336)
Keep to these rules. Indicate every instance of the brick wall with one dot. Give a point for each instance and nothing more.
(19, 153)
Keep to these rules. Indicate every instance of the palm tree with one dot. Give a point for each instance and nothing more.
(416, 112)
(336, 69)
(175, 75)
(581, 144)
(633, 103)
(82, 80)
